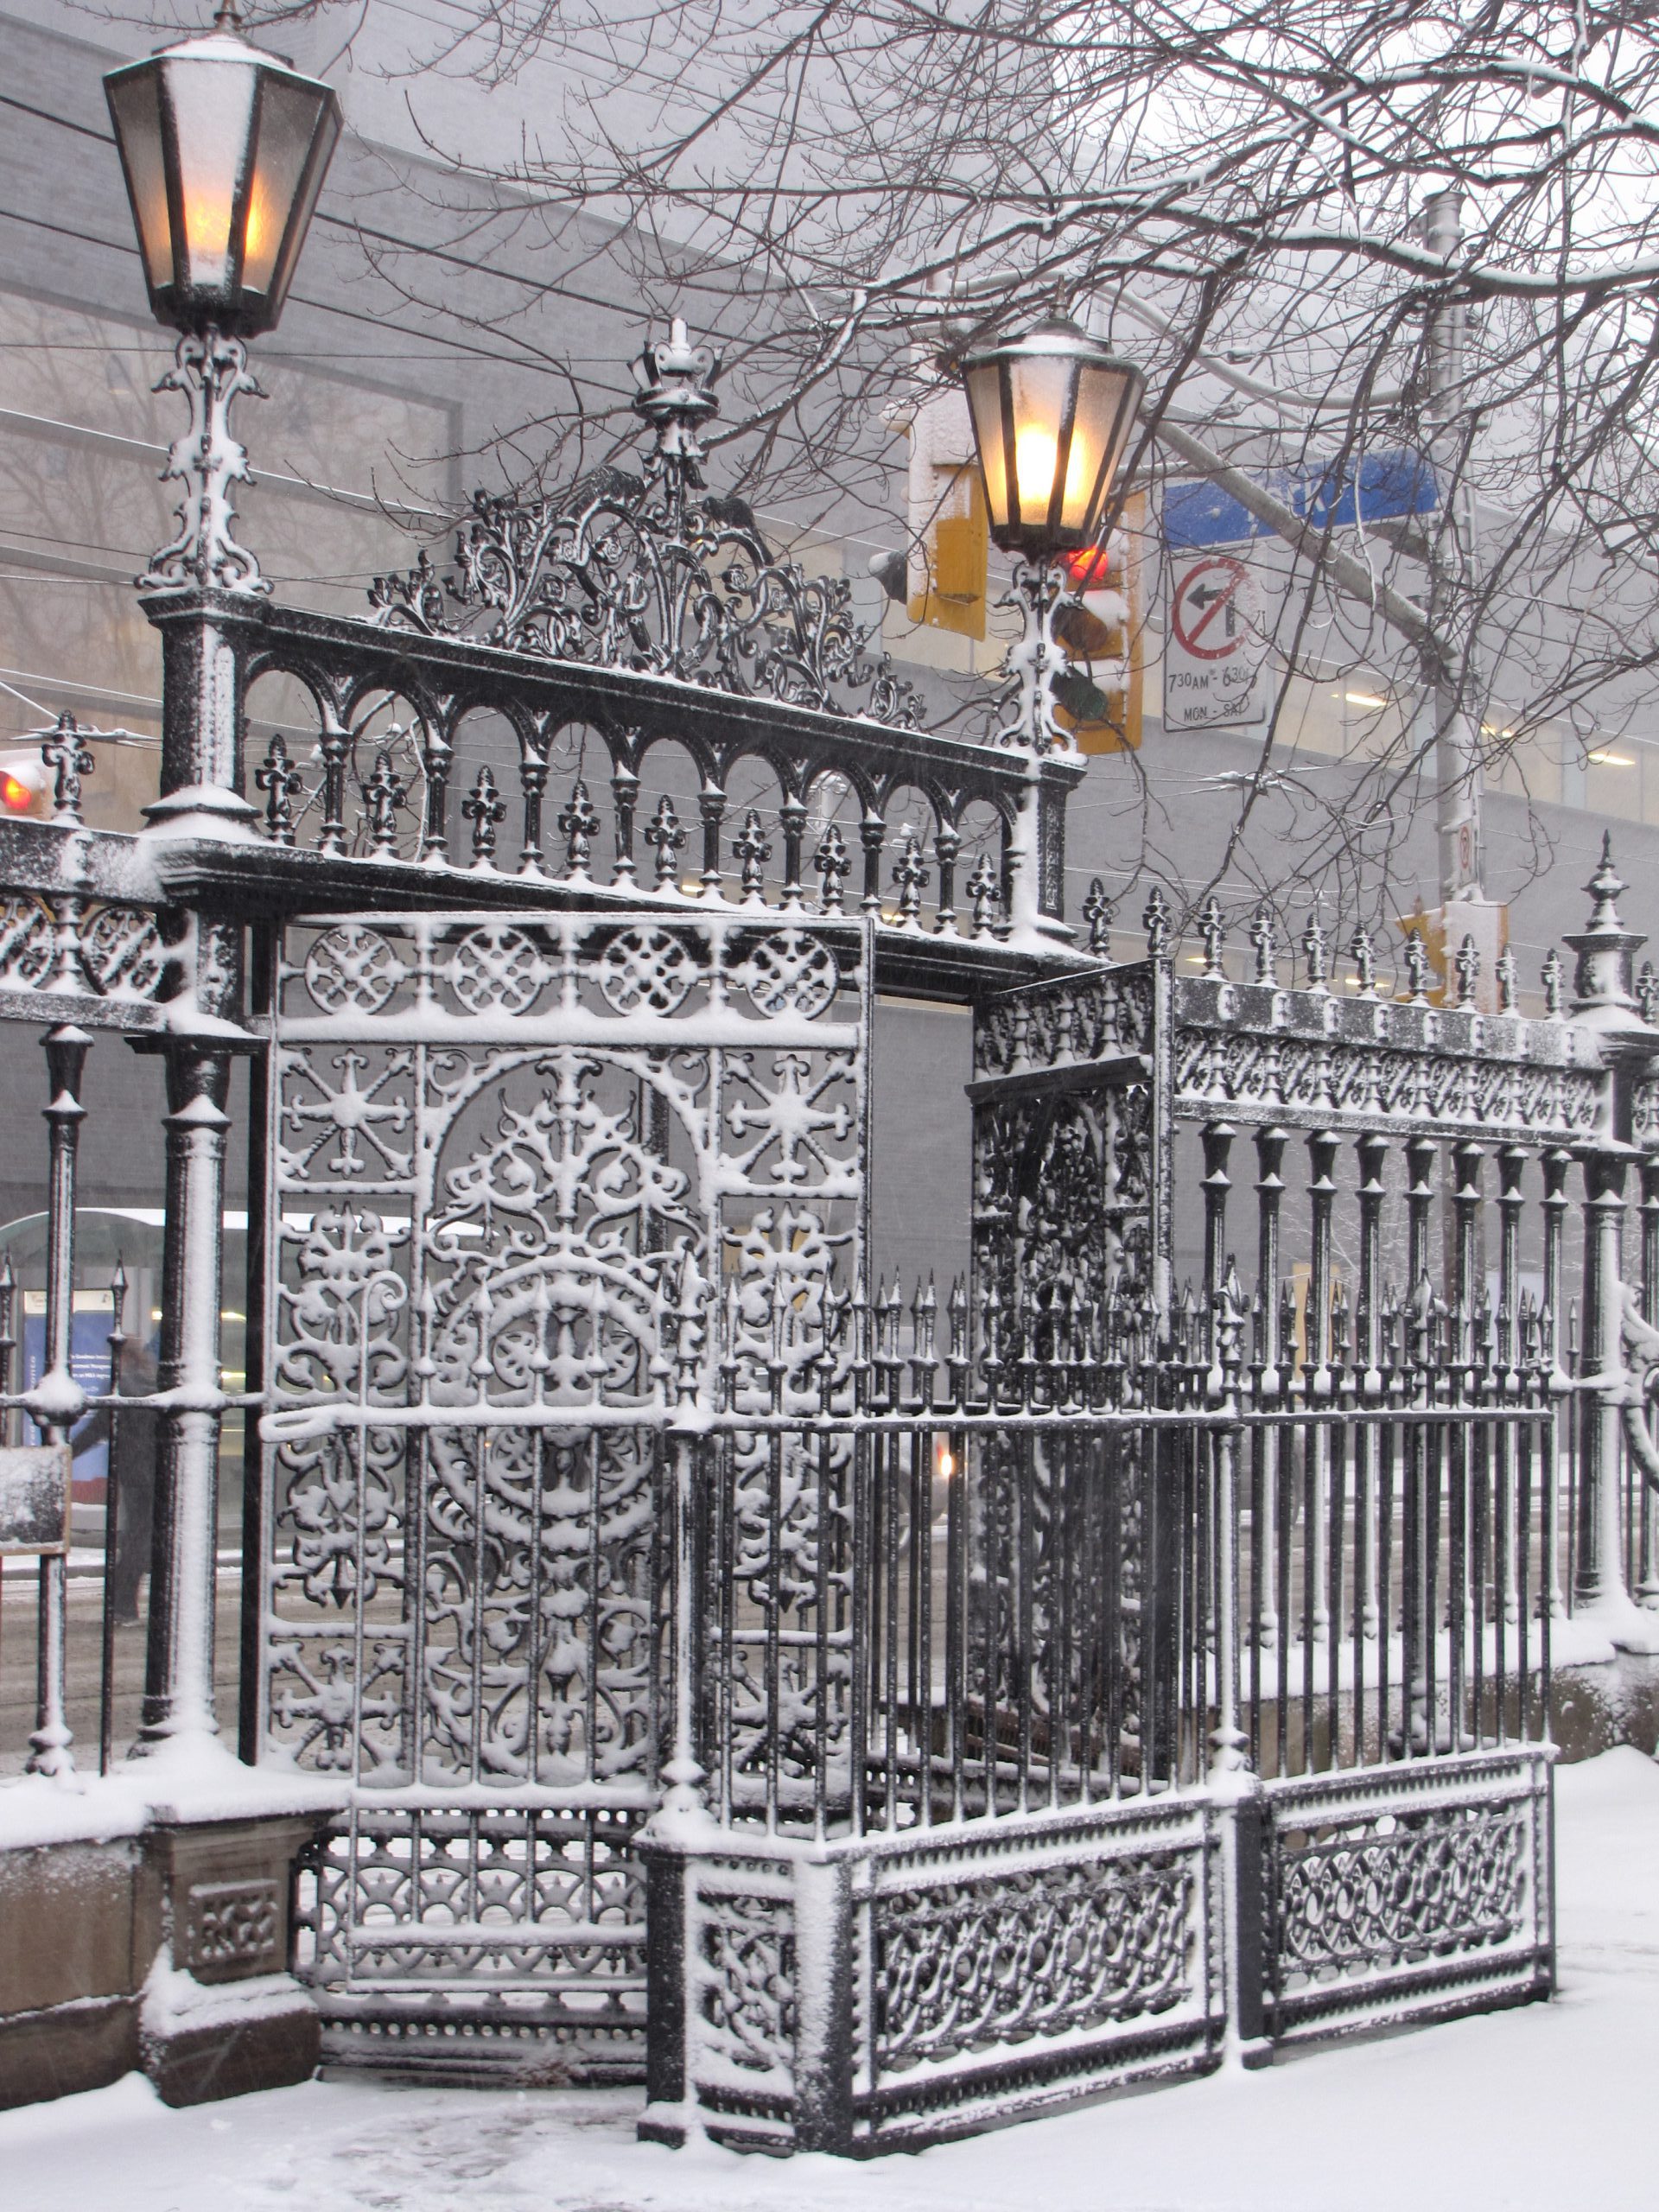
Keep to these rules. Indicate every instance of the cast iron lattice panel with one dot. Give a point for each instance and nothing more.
(509, 1163)
(1407, 1891)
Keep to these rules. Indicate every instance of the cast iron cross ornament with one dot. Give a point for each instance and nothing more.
(1099, 914)
(1552, 979)
(982, 891)
(1263, 941)
(1213, 930)
(909, 875)
(1506, 979)
(1313, 951)
(485, 808)
(67, 754)
(1365, 962)
(281, 782)
(831, 863)
(1416, 968)
(1468, 968)
(1155, 922)
(579, 824)
(666, 837)
(382, 795)
(753, 850)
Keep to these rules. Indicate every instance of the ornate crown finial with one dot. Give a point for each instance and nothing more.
(675, 398)
(1212, 929)
(1605, 889)
(1603, 981)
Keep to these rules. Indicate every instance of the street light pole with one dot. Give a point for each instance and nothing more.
(1452, 663)
(224, 149)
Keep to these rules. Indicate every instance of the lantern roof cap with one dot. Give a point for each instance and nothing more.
(1055, 334)
(226, 40)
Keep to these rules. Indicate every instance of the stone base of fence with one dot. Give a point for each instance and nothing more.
(141, 1930)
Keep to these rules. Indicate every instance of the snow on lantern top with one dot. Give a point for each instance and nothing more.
(224, 151)
(1051, 412)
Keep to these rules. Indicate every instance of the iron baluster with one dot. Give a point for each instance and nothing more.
(947, 846)
(792, 819)
(113, 1503)
(58, 1399)
(872, 836)
(711, 805)
(625, 798)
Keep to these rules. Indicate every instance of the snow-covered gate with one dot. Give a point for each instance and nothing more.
(518, 1169)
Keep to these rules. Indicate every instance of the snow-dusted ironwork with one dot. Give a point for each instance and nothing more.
(211, 369)
(731, 1660)
(508, 1163)
(996, 1686)
(637, 572)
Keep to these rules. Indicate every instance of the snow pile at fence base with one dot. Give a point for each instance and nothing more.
(1529, 2110)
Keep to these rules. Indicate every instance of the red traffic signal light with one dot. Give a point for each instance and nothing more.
(1089, 569)
(25, 784)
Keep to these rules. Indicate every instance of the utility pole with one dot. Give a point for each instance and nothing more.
(1451, 663)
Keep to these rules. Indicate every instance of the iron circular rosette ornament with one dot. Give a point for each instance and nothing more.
(1051, 411)
(225, 150)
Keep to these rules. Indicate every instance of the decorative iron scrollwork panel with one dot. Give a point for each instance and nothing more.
(511, 1161)
(1371, 1889)
(999, 1959)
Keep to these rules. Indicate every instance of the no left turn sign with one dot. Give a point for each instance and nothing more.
(1215, 647)
(1211, 614)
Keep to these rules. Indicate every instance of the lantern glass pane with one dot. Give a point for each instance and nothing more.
(137, 105)
(1097, 442)
(985, 401)
(1041, 385)
(212, 113)
(322, 149)
(288, 123)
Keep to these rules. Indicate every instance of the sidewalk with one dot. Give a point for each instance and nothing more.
(1542, 2110)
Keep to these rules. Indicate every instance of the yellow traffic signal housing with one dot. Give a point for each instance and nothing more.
(956, 543)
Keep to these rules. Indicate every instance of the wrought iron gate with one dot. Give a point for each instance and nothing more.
(509, 1162)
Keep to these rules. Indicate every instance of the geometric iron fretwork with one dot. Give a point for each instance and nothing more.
(511, 1161)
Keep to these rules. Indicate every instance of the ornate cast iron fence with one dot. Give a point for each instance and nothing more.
(867, 1720)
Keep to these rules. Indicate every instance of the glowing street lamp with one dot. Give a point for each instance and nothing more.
(1053, 412)
(225, 151)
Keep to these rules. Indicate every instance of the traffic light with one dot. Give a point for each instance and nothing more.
(25, 786)
(1100, 699)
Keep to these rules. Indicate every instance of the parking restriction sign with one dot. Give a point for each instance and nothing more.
(1214, 646)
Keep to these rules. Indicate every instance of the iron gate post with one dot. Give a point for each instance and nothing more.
(1598, 1584)
(823, 2026)
(203, 647)
(179, 1668)
(1234, 1788)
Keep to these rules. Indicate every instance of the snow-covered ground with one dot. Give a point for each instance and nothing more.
(1545, 2107)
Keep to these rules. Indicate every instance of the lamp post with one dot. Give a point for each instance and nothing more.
(1052, 413)
(224, 151)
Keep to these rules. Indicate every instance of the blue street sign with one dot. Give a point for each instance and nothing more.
(1374, 487)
